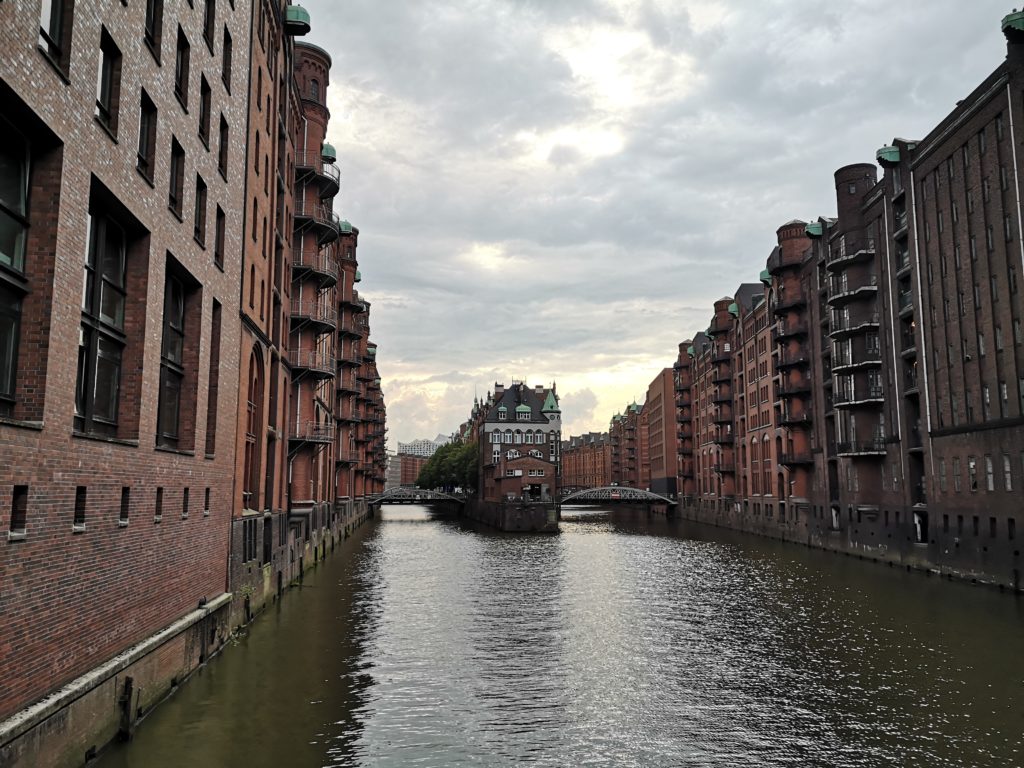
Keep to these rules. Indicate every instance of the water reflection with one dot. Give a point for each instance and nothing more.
(626, 640)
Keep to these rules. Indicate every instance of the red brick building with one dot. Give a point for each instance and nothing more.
(586, 461)
(124, 129)
(411, 466)
(169, 314)
(628, 436)
(660, 415)
(894, 411)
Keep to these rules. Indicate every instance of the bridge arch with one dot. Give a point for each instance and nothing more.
(414, 495)
(616, 493)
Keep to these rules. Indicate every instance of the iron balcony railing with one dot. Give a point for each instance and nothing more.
(313, 310)
(311, 360)
(312, 432)
(859, 395)
(862, 447)
(796, 458)
(319, 260)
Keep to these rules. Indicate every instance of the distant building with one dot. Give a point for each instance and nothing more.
(628, 435)
(393, 477)
(410, 467)
(586, 461)
(660, 414)
(422, 447)
(518, 431)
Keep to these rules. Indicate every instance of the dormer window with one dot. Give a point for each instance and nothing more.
(523, 413)
(512, 454)
(502, 413)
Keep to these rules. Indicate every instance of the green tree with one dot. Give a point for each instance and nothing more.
(452, 465)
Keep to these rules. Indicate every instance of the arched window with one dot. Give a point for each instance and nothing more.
(314, 90)
(253, 431)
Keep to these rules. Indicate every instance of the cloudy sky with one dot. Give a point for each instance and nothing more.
(556, 190)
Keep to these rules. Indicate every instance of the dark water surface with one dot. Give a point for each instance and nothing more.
(622, 641)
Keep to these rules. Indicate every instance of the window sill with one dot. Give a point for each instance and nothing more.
(106, 128)
(60, 70)
(36, 426)
(158, 518)
(105, 439)
(205, 140)
(209, 456)
(223, 172)
(184, 515)
(201, 242)
(175, 212)
(179, 451)
(206, 513)
(147, 179)
(122, 523)
(16, 535)
(78, 528)
(181, 100)
(218, 263)
(153, 49)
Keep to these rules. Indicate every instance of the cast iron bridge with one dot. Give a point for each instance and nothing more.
(615, 494)
(414, 496)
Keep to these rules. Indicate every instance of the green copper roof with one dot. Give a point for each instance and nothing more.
(371, 351)
(502, 407)
(814, 229)
(377, 382)
(1013, 21)
(345, 227)
(691, 351)
(328, 153)
(734, 309)
(523, 409)
(359, 276)
(296, 20)
(550, 404)
(888, 155)
(766, 277)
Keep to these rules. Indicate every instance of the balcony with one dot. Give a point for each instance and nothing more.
(843, 327)
(905, 302)
(685, 433)
(328, 175)
(321, 219)
(790, 300)
(684, 417)
(857, 359)
(311, 432)
(801, 385)
(795, 420)
(780, 260)
(721, 416)
(719, 327)
(845, 255)
(796, 459)
(900, 225)
(908, 345)
(844, 291)
(874, 447)
(346, 457)
(724, 439)
(787, 330)
(684, 402)
(314, 313)
(902, 264)
(792, 359)
(725, 467)
(859, 396)
(722, 398)
(351, 329)
(312, 362)
(318, 263)
(910, 381)
(721, 357)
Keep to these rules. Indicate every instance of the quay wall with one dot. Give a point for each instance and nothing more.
(873, 536)
(513, 517)
(71, 726)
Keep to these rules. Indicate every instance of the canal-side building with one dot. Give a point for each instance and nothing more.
(518, 431)
(586, 461)
(628, 436)
(659, 415)
(123, 134)
(682, 382)
(897, 358)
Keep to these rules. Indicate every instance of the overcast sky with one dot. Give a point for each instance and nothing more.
(557, 190)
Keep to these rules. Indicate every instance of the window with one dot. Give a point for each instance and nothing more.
(55, 32)
(253, 432)
(206, 503)
(248, 540)
(956, 474)
(78, 522)
(975, 525)
(495, 437)
(990, 483)
(108, 83)
(172, 371)
(154, 25)
(209, 22)
(19, 509)
(213, 382)
(147, 137)
(226, 60)
(102, 333)
(184, 503)
(524, 415)
(972, 473)
(126, 497)
(14, 162)
(204, 111)
(502, 412)
(256, 155)
(222, 149)
(218, 241)
(1011, 528)
(176, 185)
(158, 509)
(1007, 473)
(314, 90)
(181, 63)
(199, 228)
(942, 475)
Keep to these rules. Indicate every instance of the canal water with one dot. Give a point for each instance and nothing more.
(623, 641)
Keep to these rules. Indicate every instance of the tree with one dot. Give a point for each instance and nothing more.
(454, 464)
